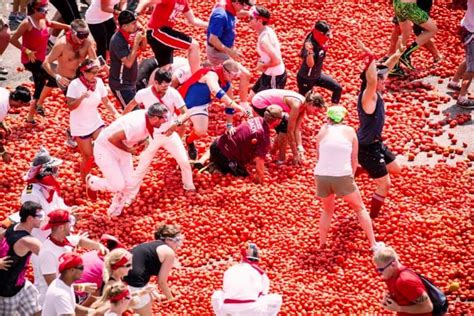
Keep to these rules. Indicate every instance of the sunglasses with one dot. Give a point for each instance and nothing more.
(79, 268)
(40, 215)
(381, 270)
(233, 74)
(81, 35)
(42, 9)
(128, 265)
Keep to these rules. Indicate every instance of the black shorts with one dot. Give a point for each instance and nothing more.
(280, 128)
(374, 158)
(224, 164)
(164, 41)
(266, 82)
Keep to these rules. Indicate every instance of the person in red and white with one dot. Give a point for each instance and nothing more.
(245, 290)
(114, 148)
(162, 36)
(165, 136)
(84, 95)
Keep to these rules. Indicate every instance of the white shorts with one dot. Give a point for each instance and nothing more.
(139, 301)
(199, 110)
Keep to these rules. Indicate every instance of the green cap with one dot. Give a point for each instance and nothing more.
(337, 113)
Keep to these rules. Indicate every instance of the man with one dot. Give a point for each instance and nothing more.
(165, 136)
(124, 47)
(374, 156)
(197, 92)
(221, 36)
(245, 289)
(250, 142)
(113, 151)
(268, 48)
(69, 51)
(4, 41)
(18, 98)
(17, 294)
(60, 299)
(162, 36)
(59, 242)
(406, 292)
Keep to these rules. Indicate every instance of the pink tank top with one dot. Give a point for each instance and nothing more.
(35, 40)
(265, 98)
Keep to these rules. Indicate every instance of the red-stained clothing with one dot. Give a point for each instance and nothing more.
(35, 40)
(251, 139)
(404, 288)
(165, 13)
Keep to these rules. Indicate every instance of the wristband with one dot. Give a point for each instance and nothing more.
(300, 149)
(368, 58)
(220, 94)
(229, 125)
(57, 77)
(229, 111)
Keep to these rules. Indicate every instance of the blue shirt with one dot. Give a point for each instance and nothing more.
(222, 25)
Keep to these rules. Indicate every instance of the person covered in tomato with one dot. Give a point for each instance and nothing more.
(250, 141)
(84, 95)
(154, 258)
(197, 93)
(295, 107)
(313, 54)
(245, 289)
(406, 292)
(21, 96)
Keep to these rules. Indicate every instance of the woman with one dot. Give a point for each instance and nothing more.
(84, 95)
(34, 33)
(334, 171)
(154, 258)
(295, 107)
(100, 19)
(118, 296)
(313, 54)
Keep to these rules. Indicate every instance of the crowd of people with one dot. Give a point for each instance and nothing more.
(158, 97)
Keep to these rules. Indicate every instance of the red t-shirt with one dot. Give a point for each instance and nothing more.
(251, 139)
(166, 12)
(405, 287)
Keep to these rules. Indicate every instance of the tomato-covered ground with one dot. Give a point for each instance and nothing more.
(428, 217)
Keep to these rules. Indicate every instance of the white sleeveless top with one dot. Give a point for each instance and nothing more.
(95, 15)
(264, 57)
(334, 154)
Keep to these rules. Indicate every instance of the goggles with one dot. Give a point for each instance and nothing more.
(381, 270)
(81, 34)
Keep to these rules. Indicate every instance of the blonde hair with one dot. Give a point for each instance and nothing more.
(112, 258)
(385, 255)
(110, 291)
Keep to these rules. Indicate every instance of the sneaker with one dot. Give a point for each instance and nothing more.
(91, 194)
(192, 151)
(40, 110)
(466, 104)
(30, 122)
(130, 197)
(379, 245)
(406, 60)
(13, 16)
(3, 71)
(115, 208)
(454, 86)
(70, 140)
(397, 72)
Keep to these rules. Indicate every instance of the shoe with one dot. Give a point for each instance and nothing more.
(192, 151)
(115, 208)
(454, 86)
(397, 72)
(130, 197)
(40, 110)
(13, 16)
(466, 104)
(91, 194)
(31, 122)
(3, 71)
(379, 245)
(406, 60)
(69, 140)
(3, 78)
(20, 17)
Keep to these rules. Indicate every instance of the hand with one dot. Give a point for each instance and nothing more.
(261, 66)
(297, 159)
(7, 129)
(171, 130)
(234, 54)
(7, 158)
(83, 235)
(5, 263)
(62, 81)
(230, 130)
(258, 179)
(248, 113)
(88, 287)
(138, 38)
(103, 250)
(362, 47)
(31, 55)
(389, 304)
(308, 46)
(117, 115)
(85, 94)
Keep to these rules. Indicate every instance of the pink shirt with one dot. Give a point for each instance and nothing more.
(35, 40)
(265, 98)
(93, 269)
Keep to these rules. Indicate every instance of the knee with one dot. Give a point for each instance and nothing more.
(117, 185)
(386, 184)
(194, 45)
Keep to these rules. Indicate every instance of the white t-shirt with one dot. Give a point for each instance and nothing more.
(4, 103)
(243, 282)
(269, 33)
(172, 100)
(59, 299)
(95, 15)
(85, 119)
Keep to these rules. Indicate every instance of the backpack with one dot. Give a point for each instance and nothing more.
(437, 297)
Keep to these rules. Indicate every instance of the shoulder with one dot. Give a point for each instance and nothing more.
(408, 278)
(218, 13)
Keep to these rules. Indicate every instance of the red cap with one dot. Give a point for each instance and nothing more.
(69, 260)
(111, 241)
(56, 218)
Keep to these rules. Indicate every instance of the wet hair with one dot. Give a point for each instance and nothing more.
(163, 75)
(385, 255)
(78, 24)
(322, 26)
(264, 13)
(114, 289)
(85, 62)
(314, 99)
(32, 6)
(157, 110)
(28, 208)
(21, 94)
(112, 258)
(166, 231)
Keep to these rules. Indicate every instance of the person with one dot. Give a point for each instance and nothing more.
(60, 241)
(250, 142)
(4, 41)
(407, 11)
(119, 297)
(99, 17)
(197, 92)
(17, 294)
(124, 47)
(406, 293)
(295, 107)
(313, 53)
(162, 36)
(221, 37)
(165, 136)
(337, 161)
(84, 95)
(34, 33)
(21, 96)
(113, 151)
(154, 258)
(59, 298)
(245, 289)
(18, 13)
(374, 156)
(67, 9)
(270, 61)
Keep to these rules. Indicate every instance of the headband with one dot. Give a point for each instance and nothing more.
(255, 15)
(319, 37)
(121, 263)
(120, 296)
(88, 67)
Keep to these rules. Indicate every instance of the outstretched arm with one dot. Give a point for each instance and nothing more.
(194, 20)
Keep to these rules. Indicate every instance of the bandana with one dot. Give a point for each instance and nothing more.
(69, 260)
(149, 127)
(120, 296)
(119, 264)
(337, 113)
(130, 39)
(220, 74)
(157, 94)
(320, 38)
(49, 185)
(227, 5)
(70, 41)
(255, 15)
(253, 264)
(89, 85)
(58, 243)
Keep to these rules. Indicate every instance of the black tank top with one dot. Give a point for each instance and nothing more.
(145, 263)
(371, 125)
(13, 280)
(314, 72)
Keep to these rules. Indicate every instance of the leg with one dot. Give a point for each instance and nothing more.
(99, 34)
(85, 148)
(175, 147)
(467, 77)
(459, 72)
(394, 168)
(110, 29)
(200, 125)
(394, 39)
(355, 201)
(381, 192)
(113, 181)
(430, 30)
(326, 217)
(4, 39)
(193, 56)
(244, 83)
(329, 83)
(405, 29)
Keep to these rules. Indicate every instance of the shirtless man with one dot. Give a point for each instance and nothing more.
(69, 51)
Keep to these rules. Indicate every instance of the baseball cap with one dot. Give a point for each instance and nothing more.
(69, 260)
(58, 217)
(126, 17)
(111, 242)
(43, 157)
(336, 113)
